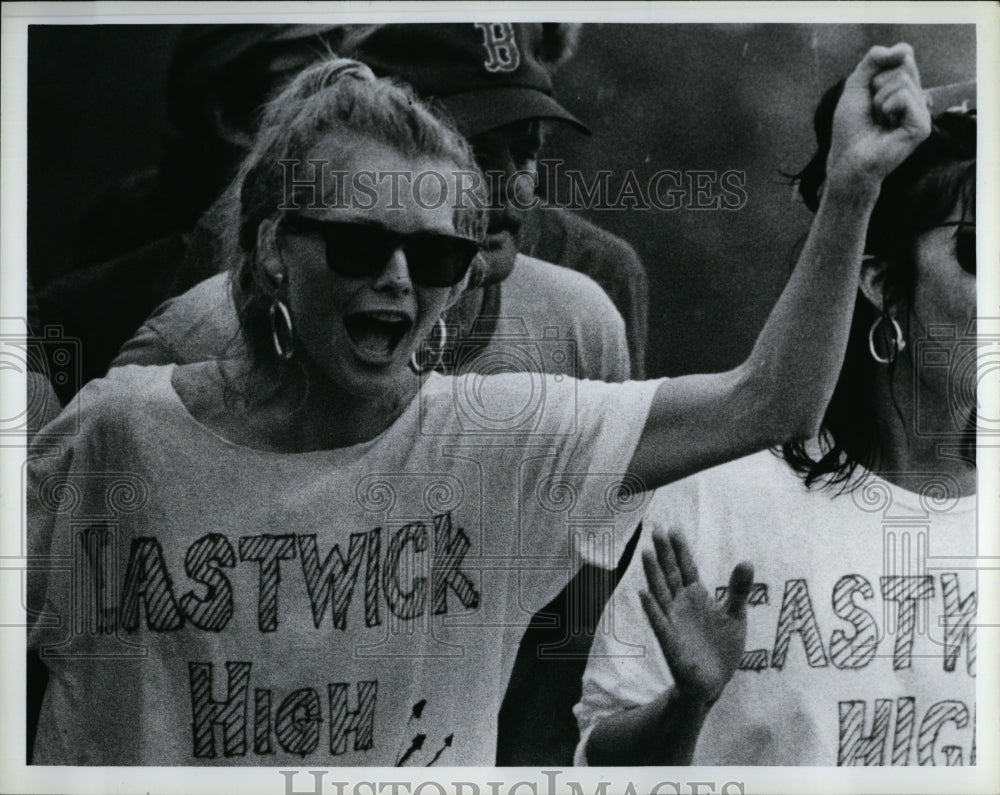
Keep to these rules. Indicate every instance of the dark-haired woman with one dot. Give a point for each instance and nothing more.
(308, 553)
(858, 643)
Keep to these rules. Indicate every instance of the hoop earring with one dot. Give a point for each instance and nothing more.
(281, 330)
(898, 341)
(418, 366)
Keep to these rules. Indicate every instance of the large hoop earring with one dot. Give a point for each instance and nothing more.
(281, 330)
(421, 365)
(898, 340)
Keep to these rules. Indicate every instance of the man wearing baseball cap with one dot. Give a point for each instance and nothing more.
(495, 81)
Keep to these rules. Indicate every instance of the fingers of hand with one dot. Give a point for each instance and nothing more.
(667, 562)
(658, 621)
(879, 59)
(898, 101)
(909, 114)
(892, 79)
(740, 583)
(656, 581)
(682, 554)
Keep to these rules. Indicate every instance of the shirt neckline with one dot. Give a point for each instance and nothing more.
(340, 454)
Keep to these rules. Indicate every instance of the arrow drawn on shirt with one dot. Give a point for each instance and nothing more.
(415, 745)
(447, 744)
(416, 712)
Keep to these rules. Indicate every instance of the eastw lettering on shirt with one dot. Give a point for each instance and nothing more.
(374, 562)
(855, 648)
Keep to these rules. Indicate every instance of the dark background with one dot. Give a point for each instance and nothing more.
(680, 96)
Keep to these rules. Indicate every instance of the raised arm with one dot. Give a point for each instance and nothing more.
(781, 391)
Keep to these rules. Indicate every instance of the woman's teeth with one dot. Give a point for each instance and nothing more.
(377, 334)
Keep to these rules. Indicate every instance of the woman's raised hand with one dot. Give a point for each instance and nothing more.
(882, 116)
(701, 639)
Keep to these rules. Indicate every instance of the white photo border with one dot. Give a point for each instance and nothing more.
(16, 776)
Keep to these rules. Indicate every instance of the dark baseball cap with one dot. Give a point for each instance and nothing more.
(485, 75)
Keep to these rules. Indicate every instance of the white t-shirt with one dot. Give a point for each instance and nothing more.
(222, 605)
(861, 642)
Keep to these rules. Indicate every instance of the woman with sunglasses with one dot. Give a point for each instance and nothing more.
(308, 553)
(861, 647)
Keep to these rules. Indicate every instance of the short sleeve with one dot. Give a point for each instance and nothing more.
(64, 509)
(567, 239)
(588, 488)
(535, 296)
(564, 447)
(615, 364)
(615, 266)
(603, 349)
(146, 347)
(197, 326)
(43, 613)
(49, 490)
(42, 402)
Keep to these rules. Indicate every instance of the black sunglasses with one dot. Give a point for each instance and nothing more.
(965, 243)
(359, 250)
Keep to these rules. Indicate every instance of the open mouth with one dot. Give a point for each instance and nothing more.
(376, 335)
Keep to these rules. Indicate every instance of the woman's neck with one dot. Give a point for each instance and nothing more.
(920, 439)
(294, 411)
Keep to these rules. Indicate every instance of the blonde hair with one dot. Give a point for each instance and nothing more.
(334, 95)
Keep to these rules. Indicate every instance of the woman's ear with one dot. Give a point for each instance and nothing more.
(872, 285)
(267, 251)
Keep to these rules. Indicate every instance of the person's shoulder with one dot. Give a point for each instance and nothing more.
(582, 234)
(197, 325)
(567, 289)
(469, 391)
(210, 293)
(559, 304)
(112, 404)
(208, 301)
(750, 478)
(495, 406)
(586, 231)
(126, 392)
(135, 384)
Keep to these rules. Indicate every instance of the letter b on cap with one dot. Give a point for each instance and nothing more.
(502, 54)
